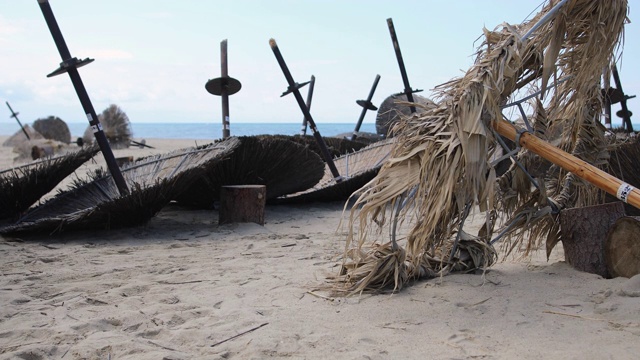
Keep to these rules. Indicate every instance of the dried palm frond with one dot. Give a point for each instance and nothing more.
(440, 165)
(356, 169)
(281, 165)
(96, 203)
(23, 186)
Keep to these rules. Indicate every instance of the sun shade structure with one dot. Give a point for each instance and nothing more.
(23, 186)
(97, 204)
(357, 169)
(337, 146)
(440, 169)
(284, 166)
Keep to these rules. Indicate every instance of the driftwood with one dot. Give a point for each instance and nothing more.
(584, 231)
(622, 247)
(242, 203)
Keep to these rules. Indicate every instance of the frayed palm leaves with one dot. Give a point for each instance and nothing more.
(22, 186)
(281, 165)
(96, 203)
(440, 166)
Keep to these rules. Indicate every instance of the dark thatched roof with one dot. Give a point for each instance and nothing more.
(97, 204)
(22, 186)
(284, 166)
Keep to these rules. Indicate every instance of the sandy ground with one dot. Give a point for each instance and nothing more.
(184, 287)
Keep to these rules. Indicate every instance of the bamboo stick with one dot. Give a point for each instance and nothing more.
(580, 168)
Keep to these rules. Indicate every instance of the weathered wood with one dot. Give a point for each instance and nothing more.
(622, 247)
(584, 231)
(242, 203)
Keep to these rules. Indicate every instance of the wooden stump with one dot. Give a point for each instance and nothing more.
(622, 247)
(584, 231)
(122, 161)
(242, 203)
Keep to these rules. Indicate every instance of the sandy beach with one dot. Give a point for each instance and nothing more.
(184, 287)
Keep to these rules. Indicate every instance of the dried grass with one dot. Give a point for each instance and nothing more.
(440, 165)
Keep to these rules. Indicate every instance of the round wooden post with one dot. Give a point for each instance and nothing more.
(242, 203)
(584, 232)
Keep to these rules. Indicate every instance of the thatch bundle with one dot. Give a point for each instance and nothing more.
(283, 166)
(624, 164)
(19, 137)
(356, 169)
(116, 127)
(22, 186)
(440, 170)
(394, 107)
(53, 128)
(96, 203)
(337, 146)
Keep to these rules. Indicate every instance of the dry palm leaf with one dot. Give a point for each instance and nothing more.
(440, 166)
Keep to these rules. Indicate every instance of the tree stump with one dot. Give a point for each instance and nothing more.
(122, 161)
(584, 231)
(242, 203)
(622, 247)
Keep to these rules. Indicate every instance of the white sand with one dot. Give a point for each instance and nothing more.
(183, 287)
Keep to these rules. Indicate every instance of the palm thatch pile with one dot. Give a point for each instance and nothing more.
(356, 169)
(53, 128)
(284, 166)
(395, 107)
(337, 146)
(440, 169)
(23, 186)
(19, 137)
(116, 126)
(96, 203)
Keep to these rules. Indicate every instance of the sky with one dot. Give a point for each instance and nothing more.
(153, 58)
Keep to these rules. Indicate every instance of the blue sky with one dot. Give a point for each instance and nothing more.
(152, 58)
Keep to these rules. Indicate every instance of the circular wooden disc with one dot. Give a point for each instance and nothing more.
(622, 247)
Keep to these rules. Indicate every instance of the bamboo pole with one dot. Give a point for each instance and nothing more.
(580, 168)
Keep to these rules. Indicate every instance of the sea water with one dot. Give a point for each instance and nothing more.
(206, 131)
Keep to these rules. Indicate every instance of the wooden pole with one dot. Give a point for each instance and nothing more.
(580, 168)
(226, 131)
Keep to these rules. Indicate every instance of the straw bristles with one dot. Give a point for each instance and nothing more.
(22, 186)
(96, 203)
(283, 166)
(440, 165)
(356, 169)
(53, 128)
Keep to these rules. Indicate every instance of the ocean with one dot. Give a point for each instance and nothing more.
(207, 131)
